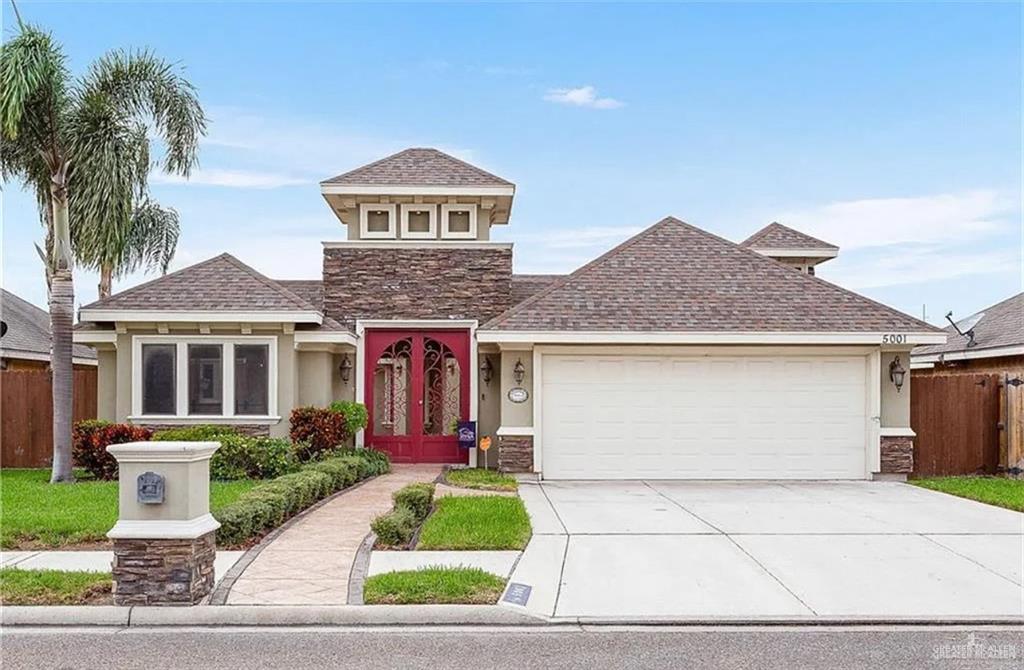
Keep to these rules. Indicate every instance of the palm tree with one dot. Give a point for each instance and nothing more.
(81, 145)
(147, 240)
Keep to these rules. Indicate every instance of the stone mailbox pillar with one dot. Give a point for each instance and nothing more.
(164, 536)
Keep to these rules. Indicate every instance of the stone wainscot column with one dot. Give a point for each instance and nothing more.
(164, 537)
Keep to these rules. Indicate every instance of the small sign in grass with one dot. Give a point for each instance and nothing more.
(479, 478)
(54, 587)
(999, 491)
(433, 586)
(476, 523)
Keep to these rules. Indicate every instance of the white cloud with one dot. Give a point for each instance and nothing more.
(914, 240)
(583, 96)
(879, 222)
(231, 179)
(898, 267)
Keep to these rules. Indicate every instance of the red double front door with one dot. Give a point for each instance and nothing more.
(417, 388)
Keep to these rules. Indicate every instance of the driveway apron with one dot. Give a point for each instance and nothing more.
(768, 549)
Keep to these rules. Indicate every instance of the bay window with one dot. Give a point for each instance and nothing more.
(204, 376)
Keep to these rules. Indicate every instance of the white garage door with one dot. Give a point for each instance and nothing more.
(676, 417)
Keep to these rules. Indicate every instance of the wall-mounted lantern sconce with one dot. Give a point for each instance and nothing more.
(345, 368)
(486, 370)
(518, 372)
(897, 373)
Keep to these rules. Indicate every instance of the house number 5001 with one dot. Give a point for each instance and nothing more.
(894, 338)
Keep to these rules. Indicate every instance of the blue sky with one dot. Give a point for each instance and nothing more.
(892, 130)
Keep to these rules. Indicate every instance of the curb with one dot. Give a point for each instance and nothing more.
(360, 568)
(266, 615)
(469, 616)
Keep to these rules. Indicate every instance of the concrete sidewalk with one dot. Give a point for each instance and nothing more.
(91, 561)
(310, 562)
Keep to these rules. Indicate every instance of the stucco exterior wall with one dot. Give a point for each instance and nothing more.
(895, 408)
(516, 414)
(489, 407)
(314, 378)
(106, 384)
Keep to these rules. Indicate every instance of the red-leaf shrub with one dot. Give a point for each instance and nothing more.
(90, 440)
(315, 430)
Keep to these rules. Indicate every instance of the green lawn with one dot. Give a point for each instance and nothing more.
(478, 478)
(1008, 493)
(476, 522)
(54, 587)
(37, 514)
(434, 585)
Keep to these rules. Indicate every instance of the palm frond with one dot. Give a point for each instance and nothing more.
(152, 239)
(143, 85)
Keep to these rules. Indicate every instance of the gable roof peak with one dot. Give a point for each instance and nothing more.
(418, 166)
(778, 236)
(221, 283)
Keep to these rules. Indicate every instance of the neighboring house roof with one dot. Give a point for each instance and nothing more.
(676, 277)
(28, 331)
(777, 236)
(1000, 326)
(525, 285)
(419, 167)
(220, 284)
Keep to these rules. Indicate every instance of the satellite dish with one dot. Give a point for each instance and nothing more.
(970, 322)
(3, 328)
(965, 328)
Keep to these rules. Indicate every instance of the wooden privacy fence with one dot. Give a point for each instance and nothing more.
(26, 414)
(966, 424)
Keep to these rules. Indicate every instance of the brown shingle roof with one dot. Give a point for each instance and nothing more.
(219, 284)
(675, 277)
(523, 286)
(777, 236)
(419, 167)
(1002, 325)
(28, 330)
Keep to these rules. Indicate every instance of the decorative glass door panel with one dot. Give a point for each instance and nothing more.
(417, 389)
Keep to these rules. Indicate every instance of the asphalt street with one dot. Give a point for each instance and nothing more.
(476, 649)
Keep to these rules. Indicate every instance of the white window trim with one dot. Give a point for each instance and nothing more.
(407, 208)
(181, 376)
(364, 209)
(446, 233)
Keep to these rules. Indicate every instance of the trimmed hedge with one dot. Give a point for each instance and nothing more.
(395, 528)
(412, 505)
(90, 439)
(271, 503)
(417, 497)
(372, 462)
(204, 432)
(240, 456)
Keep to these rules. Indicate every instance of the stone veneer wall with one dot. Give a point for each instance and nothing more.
(897, 455)
(417, 283)
(515, 453)
(255, 430)
(163, 572)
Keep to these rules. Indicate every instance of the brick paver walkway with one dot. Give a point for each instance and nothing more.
(309, 563)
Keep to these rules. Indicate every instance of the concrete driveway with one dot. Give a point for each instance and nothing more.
(768, 549)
